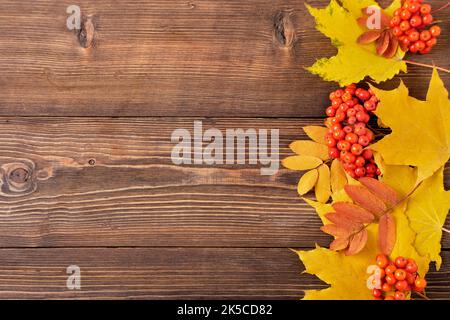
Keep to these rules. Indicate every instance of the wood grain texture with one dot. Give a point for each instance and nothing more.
(168, 273)
(111, 182)
(173, 58)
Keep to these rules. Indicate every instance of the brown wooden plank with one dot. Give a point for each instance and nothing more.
(162, 273)
(111, 182)
(171, 58)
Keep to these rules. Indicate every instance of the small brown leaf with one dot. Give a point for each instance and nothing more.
(369, 37)
(357, 243)
(382, 43)
(387, 234)
(353, 211)
(339, 244)
(366, 199)
(392, 48)
(381, 190)
(336, 231)
(344, 221)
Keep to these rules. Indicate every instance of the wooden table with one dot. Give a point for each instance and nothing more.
(85, 147)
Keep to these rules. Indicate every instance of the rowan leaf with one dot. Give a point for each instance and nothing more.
(338, 176)
(357, 243)
(422, 137)
(322, 189)
(387, 194)
(387, 233)
(310, 148)
(307, 182)
(316, 133)
(301, 163)
(354, 212)
(427, 211)
(366, 199)
(353, 61)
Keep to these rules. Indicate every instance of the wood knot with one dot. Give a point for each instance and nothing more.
(284, 29)
(18, 178)
(86, 36)
(19, 175)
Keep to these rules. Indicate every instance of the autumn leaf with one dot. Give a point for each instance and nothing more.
(301, 162)
(420, 129)
(323, 191)
(316, 133)
(310, 148)
(338, 176)
(307, 182)
(353, 61)
(346, 275)
(427, 211)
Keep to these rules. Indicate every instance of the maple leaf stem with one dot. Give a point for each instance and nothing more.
(442, 8)
(426, 65)
(445, 230)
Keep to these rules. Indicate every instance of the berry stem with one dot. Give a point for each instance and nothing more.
(442, 8)
(422, 296)
(426, 65)
(445, 230)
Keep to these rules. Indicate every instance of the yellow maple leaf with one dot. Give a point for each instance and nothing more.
(427, 211)
(347, 275)
(420, 129)
(353, 61)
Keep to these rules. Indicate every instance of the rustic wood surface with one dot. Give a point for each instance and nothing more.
(85, 148)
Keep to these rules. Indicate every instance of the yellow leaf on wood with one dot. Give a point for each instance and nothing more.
(338, 176)
(301, 162)
(307, 182)
(323, 191)
(310, 148)
(316, 133)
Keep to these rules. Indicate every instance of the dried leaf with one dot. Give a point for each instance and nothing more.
(316, 133)
(301, 163)
(354, 212)
(387, 233)
(357, 243)
(339, 244)
(369, 36)
(392, 48)
(337, 231)
(307, 182)
(323, 191)
(310, 148)
(381, 190)
(366, 199)
(383, 43)
(338, 176)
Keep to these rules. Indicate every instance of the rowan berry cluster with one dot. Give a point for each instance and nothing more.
(348, 134)
(397, 278)
(410, 25)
